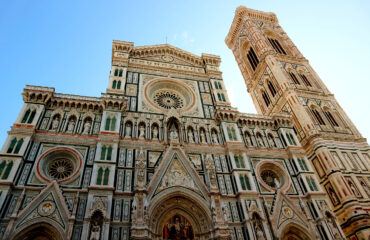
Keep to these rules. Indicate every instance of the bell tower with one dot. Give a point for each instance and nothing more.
(280, 79)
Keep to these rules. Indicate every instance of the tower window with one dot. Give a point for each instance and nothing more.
(266, 98)
(253, 59)
(114, 84)
(244, 182)
(15, 146)
(276, 45)
(271, 88)
(318, 117)
(305, 80)
(116, 72)
(110, 124)
(331, 119)
(120, 72)
(294, 78)
(119, 84)
(29, 116)
(223, 97)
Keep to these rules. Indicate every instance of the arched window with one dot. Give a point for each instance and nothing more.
(100, 176)
(223, 97)
(229, 133)
(103, 153)
(109, 153)
(292, 138)
(253, 59)
(7, 170)
(120, 72)
(19, 145)
(331, 119)
(266, 98)
(107, 124)
(247, 183)
(318, 116)
(276, 45)
(25, 117)
(271, 88)
(216, 85)
(305, 80)
(119, 84)
(106, 176)
(233, 133)
(113, 124)
(219, 85)
(116, 72)
(294, 78)
(242, 183)
(2, 166)
(219, 97)
(114, 84)
(237, 163)
(11, 146)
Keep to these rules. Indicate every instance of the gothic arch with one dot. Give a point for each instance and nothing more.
(294, 231)
(179, 200)
(45, 229)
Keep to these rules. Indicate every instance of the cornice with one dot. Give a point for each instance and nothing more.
(240, 14)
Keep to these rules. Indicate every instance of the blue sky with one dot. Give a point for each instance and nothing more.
(67, 44)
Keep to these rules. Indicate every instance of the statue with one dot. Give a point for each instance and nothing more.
(202, 137)
(271, 141)
(141, 132)
(55, 123)
(71, 126)
(128, 131)
(215, 138)
(87, 127)
(95, 232)
(155, 133)
(260, 141)
(259, 233)
(173, 133)
(190, 136)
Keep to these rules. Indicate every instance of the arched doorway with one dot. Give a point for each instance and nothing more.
(39, 231)
(179, 217)
(295, 232)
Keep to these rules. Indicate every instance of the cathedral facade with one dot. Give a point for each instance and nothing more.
(162, 154)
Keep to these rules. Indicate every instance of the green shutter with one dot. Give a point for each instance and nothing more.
(300, 164)
(242, 182)
(234, 134)
(223, 97)
(33, 113)
(219, 86)
(109, 155)
(7, 170)
(102, 154)
(247, 182)
(113, 124)
(309, 183)
(12, 144)
(304, 164)
(116, 72)
(2, 166)
(242, 161)
(237, 161)
(119, 85)
(290, 141)
(26, 116)
(219, 97)
(100, 176)
(229, 133)
(107, 124)
(314, 184)
(19, 145)
(106, 176)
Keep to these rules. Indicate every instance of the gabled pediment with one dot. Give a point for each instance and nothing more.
(176, 171)
(286, 211)
(49, 206)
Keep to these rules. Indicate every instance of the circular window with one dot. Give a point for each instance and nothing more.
(60, 168)
(61, 164)
(166, 94)
(272, 175)
(168, 100)
(270, 178)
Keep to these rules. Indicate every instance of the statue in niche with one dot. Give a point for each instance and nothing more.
(55, 123)
(96, 225)
(260, 140)
(141, 132)
(365, 187)
(332, 195)
(257, 223)
(248, 139)
(353, 188)
(155, 133)
(95, 232)
(128, 130)
(215, 138)
(271, 141)
(226, 219)
(202, 136)
(173, 133)
(87, 127)
(71, 125)
(191, 135)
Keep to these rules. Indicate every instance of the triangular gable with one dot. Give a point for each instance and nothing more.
(285, 211)
(176, 170)
(49, 205)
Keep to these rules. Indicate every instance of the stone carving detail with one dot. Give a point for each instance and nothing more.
(176, 175)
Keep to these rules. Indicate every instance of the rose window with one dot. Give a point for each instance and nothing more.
(60, 168)
(168, 100)
(270, 178)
